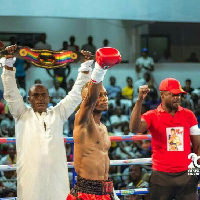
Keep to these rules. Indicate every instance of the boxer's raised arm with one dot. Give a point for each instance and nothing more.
(91, 94)
(105, 58)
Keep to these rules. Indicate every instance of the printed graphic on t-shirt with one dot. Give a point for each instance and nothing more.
(174, 138)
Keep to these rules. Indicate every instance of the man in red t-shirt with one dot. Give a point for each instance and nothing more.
(173, 128)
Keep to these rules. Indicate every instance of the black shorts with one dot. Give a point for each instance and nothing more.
(168, 186)
(85, 187)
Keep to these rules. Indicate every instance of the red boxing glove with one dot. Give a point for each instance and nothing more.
(107, 57)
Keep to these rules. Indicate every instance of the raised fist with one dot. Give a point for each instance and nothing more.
(143, 91)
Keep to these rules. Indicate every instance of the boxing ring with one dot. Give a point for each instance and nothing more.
(141, 161)
(138, 161)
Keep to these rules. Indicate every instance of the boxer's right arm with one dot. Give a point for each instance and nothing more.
(105, 58)
(89, 102)
(136, 125)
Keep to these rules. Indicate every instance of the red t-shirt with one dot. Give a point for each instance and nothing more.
(170, 138)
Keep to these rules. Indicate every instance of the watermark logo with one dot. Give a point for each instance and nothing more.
(193, 167)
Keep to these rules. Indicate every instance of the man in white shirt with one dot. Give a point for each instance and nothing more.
(8, 180)
(118, 121)
(144, 64)
(41, 165)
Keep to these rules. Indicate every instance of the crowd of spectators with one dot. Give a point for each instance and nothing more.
(121, 102)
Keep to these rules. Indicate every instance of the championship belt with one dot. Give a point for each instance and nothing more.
(46, 58)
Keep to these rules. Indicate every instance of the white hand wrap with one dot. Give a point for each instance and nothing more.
(98, 74)
(86, 66)
(8, 62)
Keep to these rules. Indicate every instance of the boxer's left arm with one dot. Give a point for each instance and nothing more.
(90, 99)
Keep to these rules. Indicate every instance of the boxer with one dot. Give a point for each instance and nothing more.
(91, 140)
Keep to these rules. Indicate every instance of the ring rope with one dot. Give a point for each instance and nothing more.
(71, 140)
(138, 161)
(138, 191)
(112, 162)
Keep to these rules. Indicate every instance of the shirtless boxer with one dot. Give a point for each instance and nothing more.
(91, 140)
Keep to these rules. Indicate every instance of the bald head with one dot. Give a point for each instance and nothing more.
(33, 87)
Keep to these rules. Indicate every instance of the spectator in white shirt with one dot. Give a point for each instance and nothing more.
(118, 121)
(9, 180)
(113, 89)
(144, 64)
(56, 93)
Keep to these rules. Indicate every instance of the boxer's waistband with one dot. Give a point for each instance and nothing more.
(96, 187)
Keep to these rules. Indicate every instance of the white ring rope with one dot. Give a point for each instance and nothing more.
(139, 161)
(138, 191)
(71, 140)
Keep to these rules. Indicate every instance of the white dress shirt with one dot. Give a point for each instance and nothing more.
(42, 171)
